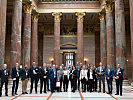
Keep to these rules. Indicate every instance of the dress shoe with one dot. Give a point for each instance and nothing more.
(116, 94)
(23, 93)
(13, 94)
(26, 93)
(99, 91)
(16, 94)
(6, 94)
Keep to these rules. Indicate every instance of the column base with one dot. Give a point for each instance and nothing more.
(132, 86)
(126, 82)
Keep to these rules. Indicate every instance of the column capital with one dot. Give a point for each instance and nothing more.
(57, 16)
(35, 17)
(80, 16)
(27, 6)
(102, 16)
(109, 6)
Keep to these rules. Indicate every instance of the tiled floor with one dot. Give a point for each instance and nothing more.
(127, 95)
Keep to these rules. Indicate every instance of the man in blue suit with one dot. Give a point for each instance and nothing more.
(109, 77)
(52, 76)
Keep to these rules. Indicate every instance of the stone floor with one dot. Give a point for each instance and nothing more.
(127, 95)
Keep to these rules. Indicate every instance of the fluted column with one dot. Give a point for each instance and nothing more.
(110, 34)
(57, 18)
(80, 48)
(3, 7)
(120, 34)
(131, 28)
(103, 39)
(27, 33)
(34, 38)
(16, 33)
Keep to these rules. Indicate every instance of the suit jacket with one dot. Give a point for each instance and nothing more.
(36, 69)
(102, 71)
(74, 74)
(4, 77)
(44, 73)
(120, 73)
(52, 75)
(110, 74)
(93, 74)
(59, 75)
(78, 68)
(23, 73)
(15, 73)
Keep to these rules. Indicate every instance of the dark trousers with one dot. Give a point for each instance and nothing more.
(78, 84)
(47, 83)
(36, 79)
(83, 81)
(102, 78)
(65, 83)
(74, 83)
(6, 87)
(119, 86)
(52, 84)
(109, 84)
(95, 85)
(15, 85)
(90, 84)
(43, 82)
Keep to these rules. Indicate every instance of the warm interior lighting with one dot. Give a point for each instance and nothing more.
(52, 59)
(85, 59)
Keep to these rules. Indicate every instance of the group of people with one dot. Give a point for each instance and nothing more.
(53, 78)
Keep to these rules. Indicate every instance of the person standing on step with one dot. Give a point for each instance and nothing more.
(34, 76)
(4, 74)
(109, 77)
(101, 76)
(119, 79)
(24, 78)
(15, 77)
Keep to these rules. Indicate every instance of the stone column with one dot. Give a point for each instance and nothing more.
(80, 48)
(103, 39)
(120, 34)
(57, 18)
(34, 38)
(97, 47)
(131, 27)
(16, 33)
(3, 4)
(110, 34)
(27, 33)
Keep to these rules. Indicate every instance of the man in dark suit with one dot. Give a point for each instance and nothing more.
(52, 77)
(95, 79)
(109, 77)
(119, 79)
(90, 75)
(78, 68)
(15, 76)
(4, 74)
(101, 76)
(24, 78)
(43, 77)
(34, 76)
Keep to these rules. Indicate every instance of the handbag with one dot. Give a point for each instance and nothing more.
(57, 84)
